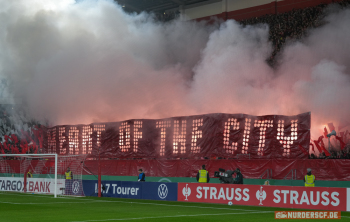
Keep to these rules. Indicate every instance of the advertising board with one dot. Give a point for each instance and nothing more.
(136, 190)
(34, 185)
(320, 198)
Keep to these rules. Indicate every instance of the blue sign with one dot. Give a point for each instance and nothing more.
(159, 191)
(136, 190)
(122, 189)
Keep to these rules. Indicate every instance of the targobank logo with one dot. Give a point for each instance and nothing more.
(75, 187)
(162, 191)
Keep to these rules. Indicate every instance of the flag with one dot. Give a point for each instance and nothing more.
(342, 144)
(312, 147)
(325, 132)
(321, 147)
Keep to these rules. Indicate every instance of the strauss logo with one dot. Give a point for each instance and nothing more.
(186, 191)
(260, 195)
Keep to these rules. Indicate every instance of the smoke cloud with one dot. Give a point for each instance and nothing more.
(88, 61)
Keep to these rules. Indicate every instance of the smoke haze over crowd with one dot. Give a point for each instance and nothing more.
(89, 61)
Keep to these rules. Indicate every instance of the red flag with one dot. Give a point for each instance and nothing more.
(312, 147)
(318, 146)
(7, 138)
(325, 132)
(15, 150)
(23, 148)
(324, 149)
(342, 144)
(5, 146)
(321, 147)
(24, 145)
(14, 138)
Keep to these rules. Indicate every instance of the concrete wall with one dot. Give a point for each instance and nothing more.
(233, 5)
(243, 9)
(203, 11)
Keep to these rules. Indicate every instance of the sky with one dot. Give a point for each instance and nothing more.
(78, 63)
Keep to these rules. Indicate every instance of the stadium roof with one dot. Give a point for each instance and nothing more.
(159, 6)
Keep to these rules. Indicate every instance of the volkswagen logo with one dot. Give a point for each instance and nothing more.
(162, 191)
(75, 187)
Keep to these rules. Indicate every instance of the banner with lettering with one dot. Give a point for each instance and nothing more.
(320, 198)
(133, 190)
(203, 136)
(34, 185)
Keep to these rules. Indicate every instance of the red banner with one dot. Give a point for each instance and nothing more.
(203, 136)
(320, 198)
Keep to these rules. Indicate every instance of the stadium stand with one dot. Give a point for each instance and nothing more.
(19, 134)
(284, 27)
(292, 25)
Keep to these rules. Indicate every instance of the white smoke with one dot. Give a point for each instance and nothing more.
(316, 73)
(91, 62)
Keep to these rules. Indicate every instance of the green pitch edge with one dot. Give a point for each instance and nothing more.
(318, 183)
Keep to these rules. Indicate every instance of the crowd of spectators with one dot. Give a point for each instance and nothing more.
(18, 134)
(342, 154)
(292, 25)
(284, 27)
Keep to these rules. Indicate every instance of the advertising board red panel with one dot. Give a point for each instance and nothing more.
(320, 198)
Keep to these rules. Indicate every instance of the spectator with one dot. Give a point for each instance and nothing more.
(141, 176)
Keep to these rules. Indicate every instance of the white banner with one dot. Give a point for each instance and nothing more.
(34, 185)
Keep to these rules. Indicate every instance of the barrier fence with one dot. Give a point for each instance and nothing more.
(251, 169)
(317, 198)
